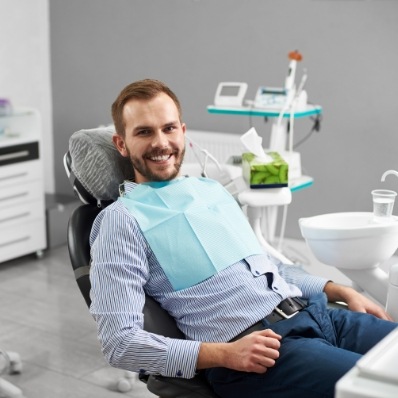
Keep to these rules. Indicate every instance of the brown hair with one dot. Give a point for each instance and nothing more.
(144, 90)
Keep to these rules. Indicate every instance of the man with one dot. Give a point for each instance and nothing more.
(211, 276)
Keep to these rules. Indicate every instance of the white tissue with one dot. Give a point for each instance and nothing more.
(252, 142)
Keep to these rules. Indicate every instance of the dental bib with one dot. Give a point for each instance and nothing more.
(194, 227)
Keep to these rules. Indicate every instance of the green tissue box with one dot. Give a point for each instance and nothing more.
(258, 174)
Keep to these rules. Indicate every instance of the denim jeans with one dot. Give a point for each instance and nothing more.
(319, 345)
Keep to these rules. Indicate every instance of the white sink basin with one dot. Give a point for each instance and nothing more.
(350, 240)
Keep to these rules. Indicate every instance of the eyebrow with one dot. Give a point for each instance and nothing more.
(171, 123)
(148, 127)
(143, 127)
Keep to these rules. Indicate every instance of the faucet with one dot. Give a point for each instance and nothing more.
(388, 172)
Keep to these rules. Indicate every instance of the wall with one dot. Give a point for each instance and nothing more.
(25, 66)
(349, 49)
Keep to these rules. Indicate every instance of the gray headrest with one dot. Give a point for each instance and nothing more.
(97, 164)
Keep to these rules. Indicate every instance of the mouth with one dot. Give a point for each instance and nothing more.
(158, 165)
(160, 158)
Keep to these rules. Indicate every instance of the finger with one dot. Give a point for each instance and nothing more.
(373, 310)
(271, 340)
(272, 343)
(258, 368)
(270, 333)
(268, 350)
(269, 359)
(389, 317)
(384, 315)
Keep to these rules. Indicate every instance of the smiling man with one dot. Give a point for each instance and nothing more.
(151, 133)
(185, 242)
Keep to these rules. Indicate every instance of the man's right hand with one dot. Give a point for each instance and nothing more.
(255, 352)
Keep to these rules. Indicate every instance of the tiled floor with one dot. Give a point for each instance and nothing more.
(44, 318)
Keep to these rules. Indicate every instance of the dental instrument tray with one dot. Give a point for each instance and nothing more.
(260, 174)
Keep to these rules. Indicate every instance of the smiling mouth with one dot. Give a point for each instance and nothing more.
(160, 158)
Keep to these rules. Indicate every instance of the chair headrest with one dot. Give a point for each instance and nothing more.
(96, 164)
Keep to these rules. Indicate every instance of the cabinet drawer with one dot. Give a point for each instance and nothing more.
(20, 173)
(20, 240)
(16, 194)
(19, 153)
(21, 214)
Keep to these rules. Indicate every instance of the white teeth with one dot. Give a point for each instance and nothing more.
(160, 158)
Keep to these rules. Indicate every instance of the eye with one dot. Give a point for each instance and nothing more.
(143, 132)
(169, 129)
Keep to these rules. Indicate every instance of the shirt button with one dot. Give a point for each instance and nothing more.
(179, 373)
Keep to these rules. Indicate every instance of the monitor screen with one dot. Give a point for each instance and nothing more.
(230, 91)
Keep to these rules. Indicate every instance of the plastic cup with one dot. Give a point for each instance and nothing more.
(383, 204)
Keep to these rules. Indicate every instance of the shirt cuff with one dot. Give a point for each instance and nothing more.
(313, 285)
(182, 358)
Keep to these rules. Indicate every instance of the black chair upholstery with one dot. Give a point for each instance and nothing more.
(79, 228)
(156, 320)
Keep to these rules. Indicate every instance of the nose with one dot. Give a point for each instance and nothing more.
(160, 140)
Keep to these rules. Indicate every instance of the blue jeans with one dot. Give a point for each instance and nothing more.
(319, 345)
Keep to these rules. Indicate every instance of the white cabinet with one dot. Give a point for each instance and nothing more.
(22, 203)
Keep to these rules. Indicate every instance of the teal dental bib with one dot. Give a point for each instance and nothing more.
(194, 227)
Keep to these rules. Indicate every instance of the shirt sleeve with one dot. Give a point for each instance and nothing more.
(118, 274)
(307, 283)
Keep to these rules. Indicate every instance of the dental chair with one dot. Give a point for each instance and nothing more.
(95, 170)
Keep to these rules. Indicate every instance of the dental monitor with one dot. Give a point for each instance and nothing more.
(230, 94)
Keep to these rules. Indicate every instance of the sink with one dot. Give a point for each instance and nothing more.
(350, 240)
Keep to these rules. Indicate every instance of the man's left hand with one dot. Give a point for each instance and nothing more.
(354, 300)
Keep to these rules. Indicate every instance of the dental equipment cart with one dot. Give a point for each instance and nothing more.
(259, 207)
(279, 141)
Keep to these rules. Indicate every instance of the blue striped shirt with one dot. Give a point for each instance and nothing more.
(124, 268)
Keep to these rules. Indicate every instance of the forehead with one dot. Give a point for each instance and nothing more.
(160, 109)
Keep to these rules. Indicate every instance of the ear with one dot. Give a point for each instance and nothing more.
(120, 144)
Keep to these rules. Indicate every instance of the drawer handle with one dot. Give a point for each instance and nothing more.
(18, 195)
(15, 155)
(10, 177)
(13, 242)
(22, 215)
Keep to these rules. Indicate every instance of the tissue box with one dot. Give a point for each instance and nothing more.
(274, 174)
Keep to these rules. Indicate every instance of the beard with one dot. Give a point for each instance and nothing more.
(140, 166)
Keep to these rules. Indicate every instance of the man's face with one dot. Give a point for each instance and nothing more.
(154, 138)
